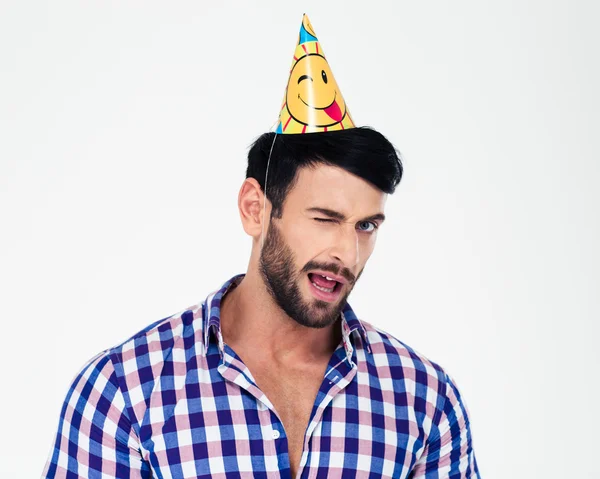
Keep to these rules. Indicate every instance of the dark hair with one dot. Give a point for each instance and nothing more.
(361, 151)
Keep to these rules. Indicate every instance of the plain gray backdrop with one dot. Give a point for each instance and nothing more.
(123, 133)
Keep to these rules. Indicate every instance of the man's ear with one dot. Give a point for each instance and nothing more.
(251, 204)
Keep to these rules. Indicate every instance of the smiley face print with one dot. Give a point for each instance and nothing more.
(313, 101)
(313, 96)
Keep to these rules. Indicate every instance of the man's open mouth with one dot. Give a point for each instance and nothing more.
(324, 287)
(323, 283)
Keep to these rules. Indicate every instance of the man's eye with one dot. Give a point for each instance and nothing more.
(367, 226)
(323, 220)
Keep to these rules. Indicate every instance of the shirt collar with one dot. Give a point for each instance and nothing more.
(351, 325)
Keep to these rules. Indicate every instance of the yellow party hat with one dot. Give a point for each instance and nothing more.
(313, 101)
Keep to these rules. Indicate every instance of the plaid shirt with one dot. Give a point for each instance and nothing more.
(175, 401)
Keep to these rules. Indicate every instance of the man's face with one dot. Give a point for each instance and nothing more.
(315, 253)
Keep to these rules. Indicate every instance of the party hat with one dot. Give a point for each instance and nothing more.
(313, 101)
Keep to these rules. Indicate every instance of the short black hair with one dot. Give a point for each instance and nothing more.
(362, 151)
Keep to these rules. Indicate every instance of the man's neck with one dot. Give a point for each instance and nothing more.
(252, 321)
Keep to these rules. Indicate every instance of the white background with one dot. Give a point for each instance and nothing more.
(123, 133)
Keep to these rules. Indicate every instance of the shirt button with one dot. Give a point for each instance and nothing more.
(275, 434)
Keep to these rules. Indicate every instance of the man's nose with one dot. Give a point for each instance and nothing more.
(345, 249)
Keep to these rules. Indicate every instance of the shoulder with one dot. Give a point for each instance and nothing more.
(154, 343)
(158, 351)
(425, 383)
(388, 349)
(411, 380)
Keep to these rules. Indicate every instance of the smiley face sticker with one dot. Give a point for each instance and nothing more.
(313, 101)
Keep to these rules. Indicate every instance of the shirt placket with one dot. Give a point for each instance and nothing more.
(338, 376)
(341, 370)
(334, 383)
(232, 369)
(276, 456)
(340, 373)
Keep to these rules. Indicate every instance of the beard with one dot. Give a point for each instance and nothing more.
(277, 268)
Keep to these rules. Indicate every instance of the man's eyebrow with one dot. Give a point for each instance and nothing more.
(341, 217)
(378, 217)
(327, 212)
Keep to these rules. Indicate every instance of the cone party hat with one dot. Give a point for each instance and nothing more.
(313, 101)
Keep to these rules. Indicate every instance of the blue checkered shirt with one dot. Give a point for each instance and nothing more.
(175, 401)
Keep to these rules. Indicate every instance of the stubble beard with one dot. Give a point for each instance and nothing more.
(277, 268)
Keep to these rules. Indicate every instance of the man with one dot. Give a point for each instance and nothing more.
(273, 375)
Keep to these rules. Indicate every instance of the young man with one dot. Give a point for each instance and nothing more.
(273, 375)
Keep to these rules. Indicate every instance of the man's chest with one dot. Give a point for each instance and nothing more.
(293, 394)
(218, 424)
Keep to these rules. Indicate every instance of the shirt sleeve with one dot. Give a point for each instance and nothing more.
(449, 451)
(95, 437)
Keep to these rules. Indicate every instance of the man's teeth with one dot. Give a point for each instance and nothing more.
(321, 288)
(327, 290)
(327, 277)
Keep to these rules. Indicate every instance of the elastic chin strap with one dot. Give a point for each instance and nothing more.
(262, 234)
